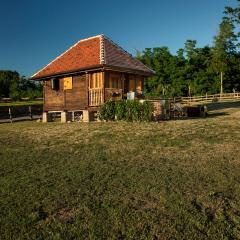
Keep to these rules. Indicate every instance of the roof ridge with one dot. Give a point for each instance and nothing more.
(102, 50)
(70, 48)
(118, 46)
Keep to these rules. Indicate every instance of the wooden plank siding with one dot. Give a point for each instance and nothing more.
(90, 90)
(53, 100)
(70, 99)
(77, 97)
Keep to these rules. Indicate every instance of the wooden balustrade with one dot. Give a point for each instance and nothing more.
(96, 97)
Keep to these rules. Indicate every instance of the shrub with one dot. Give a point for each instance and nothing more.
(147, 111)
(107, 111)
(128, 110)
(120, 110)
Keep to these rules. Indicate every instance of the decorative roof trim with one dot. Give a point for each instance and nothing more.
(82, 40)
(102, 50)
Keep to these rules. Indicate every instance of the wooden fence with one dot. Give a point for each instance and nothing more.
(20, 112)
(206, 98)
(9, 100)
(212, 98)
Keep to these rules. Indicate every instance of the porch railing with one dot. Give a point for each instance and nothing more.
(96, 97)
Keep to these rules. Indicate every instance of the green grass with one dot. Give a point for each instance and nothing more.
(168, 180)
(21, 103)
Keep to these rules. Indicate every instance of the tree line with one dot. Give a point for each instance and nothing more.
(16, 87)
(197, 71)
(191, 71)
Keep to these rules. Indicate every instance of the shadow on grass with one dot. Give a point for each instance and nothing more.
(217, 114)
(223, 105)
(210, 115)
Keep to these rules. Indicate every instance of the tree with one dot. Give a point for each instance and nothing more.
(6, 79)
(15, 87)
(15, 91)
(224, 48)
(233, 14)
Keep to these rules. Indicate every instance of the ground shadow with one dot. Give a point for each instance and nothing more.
(217, 114)
(222, 105)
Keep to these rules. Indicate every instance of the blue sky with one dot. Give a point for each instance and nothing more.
(34, 32)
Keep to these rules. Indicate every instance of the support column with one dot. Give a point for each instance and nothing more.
(85, 116)
(63, 117)
(45, 117)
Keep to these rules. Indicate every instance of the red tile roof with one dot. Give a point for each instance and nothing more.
(98, 51)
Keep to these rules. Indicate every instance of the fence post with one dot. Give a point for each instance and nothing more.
(30, 111)
(10, 114)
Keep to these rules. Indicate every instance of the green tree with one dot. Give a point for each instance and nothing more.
(6, 79)
(224, 49)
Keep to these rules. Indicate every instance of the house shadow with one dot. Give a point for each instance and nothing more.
(217, 114)
(222, 105)
(209, 115)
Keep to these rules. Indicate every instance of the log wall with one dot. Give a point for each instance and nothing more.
(70, 99)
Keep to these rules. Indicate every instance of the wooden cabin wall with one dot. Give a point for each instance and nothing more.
(71, 99)
(53, 100)
(77, 97)
(135, 83)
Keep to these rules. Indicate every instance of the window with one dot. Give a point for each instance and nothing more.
(67, 83)
(55, 84)
(115, 80)
(96, 80)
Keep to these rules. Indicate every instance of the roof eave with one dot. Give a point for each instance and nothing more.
(67, 73)
(129, 70)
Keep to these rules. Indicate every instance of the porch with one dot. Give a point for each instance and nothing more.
(105, 86)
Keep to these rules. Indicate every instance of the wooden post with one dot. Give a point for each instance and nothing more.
(30, 112)
(221, 91)
(10, 114)
(103, 85)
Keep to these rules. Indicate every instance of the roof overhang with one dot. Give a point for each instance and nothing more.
(92, 69)
(68, 73)
(129, 70)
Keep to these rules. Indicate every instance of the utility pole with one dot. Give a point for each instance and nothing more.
(221, 92)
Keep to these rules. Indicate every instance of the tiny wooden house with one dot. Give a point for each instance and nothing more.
(89, 73)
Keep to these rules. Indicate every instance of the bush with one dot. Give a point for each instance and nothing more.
(147, 111)
(107, 111)
(128, 110)
(120, 110)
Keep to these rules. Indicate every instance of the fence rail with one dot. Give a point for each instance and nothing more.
(206, 98)
(9, 100)
(15, 113)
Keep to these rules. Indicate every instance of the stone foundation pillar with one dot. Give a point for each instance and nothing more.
(45, 117)
(85, 116)
(63, 117)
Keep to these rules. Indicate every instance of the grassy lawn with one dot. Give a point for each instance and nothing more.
(21, 103)
(169, 180)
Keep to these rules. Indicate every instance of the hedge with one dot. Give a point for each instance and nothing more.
(127, 110)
